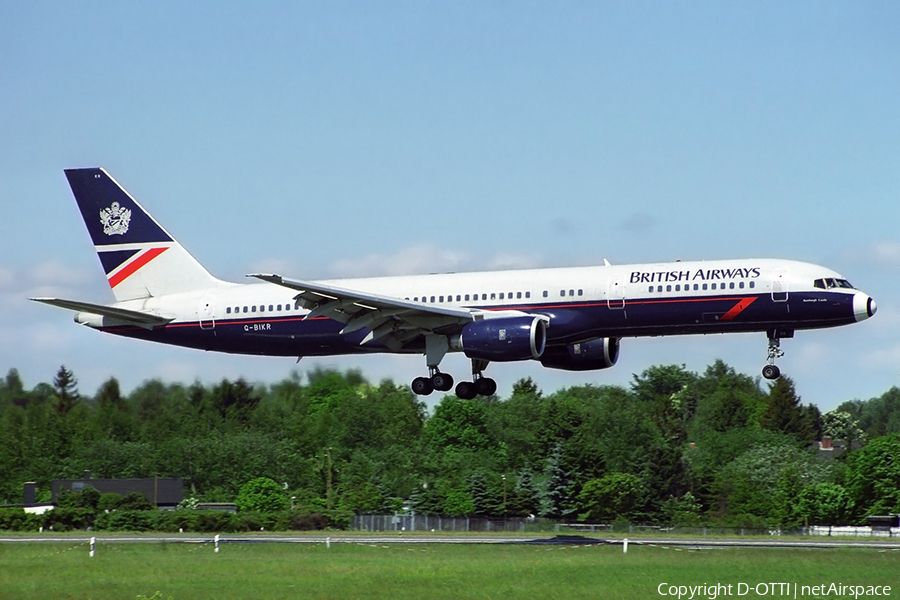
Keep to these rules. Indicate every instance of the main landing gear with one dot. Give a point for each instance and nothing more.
(465, 390)
(442, 382)
(479, 386)
(771, 370)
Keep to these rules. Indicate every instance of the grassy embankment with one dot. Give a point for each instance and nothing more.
(182, 572)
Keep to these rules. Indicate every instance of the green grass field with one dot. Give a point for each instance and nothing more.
(189, 572)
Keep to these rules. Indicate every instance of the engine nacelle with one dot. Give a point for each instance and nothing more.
(505, 339)
(596, 354)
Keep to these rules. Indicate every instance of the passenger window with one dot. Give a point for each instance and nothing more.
(467, 297)
(741, 285)
(253, 308)
(518, 295)
(432, 299)
(677, 287)
(731, 285)
(271, 307)
(441, 298)
(545, 293)
(562, 293)
(528, 294)
(696, 287)
(228, 310)
(458, 297)
(651, 289)
(484, 296)
(571, 292)
(501, 295)
(752, 284)
(245, 309)
(581, 292)
(493, 296)
(669, 288)
(704, 286)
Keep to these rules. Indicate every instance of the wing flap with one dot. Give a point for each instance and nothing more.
(392, 321)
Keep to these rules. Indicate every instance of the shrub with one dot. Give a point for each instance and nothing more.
(16, 519)
(66, 519)
(126, 520)
(261, 495)
(135, 501)
(109, 501)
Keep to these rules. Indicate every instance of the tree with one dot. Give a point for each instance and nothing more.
(615, 495)
(261, 495)
(66, 391)
(684, 511)
(824, 503)
(840, 425)
(784, 412)
(873, 476)
(557, 498)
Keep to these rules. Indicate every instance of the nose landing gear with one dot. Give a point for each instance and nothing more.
(771, 370)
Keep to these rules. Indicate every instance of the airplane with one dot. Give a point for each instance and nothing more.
(565, 318)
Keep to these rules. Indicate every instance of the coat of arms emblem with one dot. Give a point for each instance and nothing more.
(115, 219)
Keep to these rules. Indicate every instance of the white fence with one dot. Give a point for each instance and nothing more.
(435, 523)
(853, 531)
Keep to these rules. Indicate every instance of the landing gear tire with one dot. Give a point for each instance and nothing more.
(442, 382)
(485, 386)
(422, 386)
(465, 390)
(771, 372)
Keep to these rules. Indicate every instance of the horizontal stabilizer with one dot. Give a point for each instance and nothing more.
(134, 317)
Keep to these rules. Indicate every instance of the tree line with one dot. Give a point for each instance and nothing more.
(674, 447)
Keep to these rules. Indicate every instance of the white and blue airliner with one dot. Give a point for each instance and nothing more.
(564, 318)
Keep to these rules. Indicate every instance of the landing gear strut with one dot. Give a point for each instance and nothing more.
(771, 370)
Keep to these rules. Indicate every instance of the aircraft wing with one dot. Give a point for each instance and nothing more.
(392, 321)
(125, 315)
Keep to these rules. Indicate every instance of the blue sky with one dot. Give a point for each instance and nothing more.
(352, 138)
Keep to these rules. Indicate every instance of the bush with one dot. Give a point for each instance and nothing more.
(135, 501)
(306, 522)
(126, 520)
(109, 501)
(16, 519)
(66, 519)
(261, 495)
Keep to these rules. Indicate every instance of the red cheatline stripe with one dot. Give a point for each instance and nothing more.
(134, 265)
(738, 308)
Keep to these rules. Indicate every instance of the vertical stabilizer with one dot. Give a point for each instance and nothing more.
(140, 258)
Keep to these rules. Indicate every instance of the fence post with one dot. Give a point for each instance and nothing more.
(93, 540)
(217, 542)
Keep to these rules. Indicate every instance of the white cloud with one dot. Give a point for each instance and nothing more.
(887, 253)
(7, 278)
(408, 261)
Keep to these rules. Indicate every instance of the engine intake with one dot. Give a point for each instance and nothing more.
(601, 353)
(506, 339)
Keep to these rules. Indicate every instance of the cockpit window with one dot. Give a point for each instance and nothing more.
(829, 283)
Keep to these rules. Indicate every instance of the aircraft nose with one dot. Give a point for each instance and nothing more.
(863, 306)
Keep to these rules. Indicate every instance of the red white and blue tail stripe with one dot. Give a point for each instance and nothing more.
(139, 257)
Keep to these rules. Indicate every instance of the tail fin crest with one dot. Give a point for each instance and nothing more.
(139, 257)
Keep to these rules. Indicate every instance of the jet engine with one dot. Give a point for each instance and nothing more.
(505, 339)
(593, 355)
